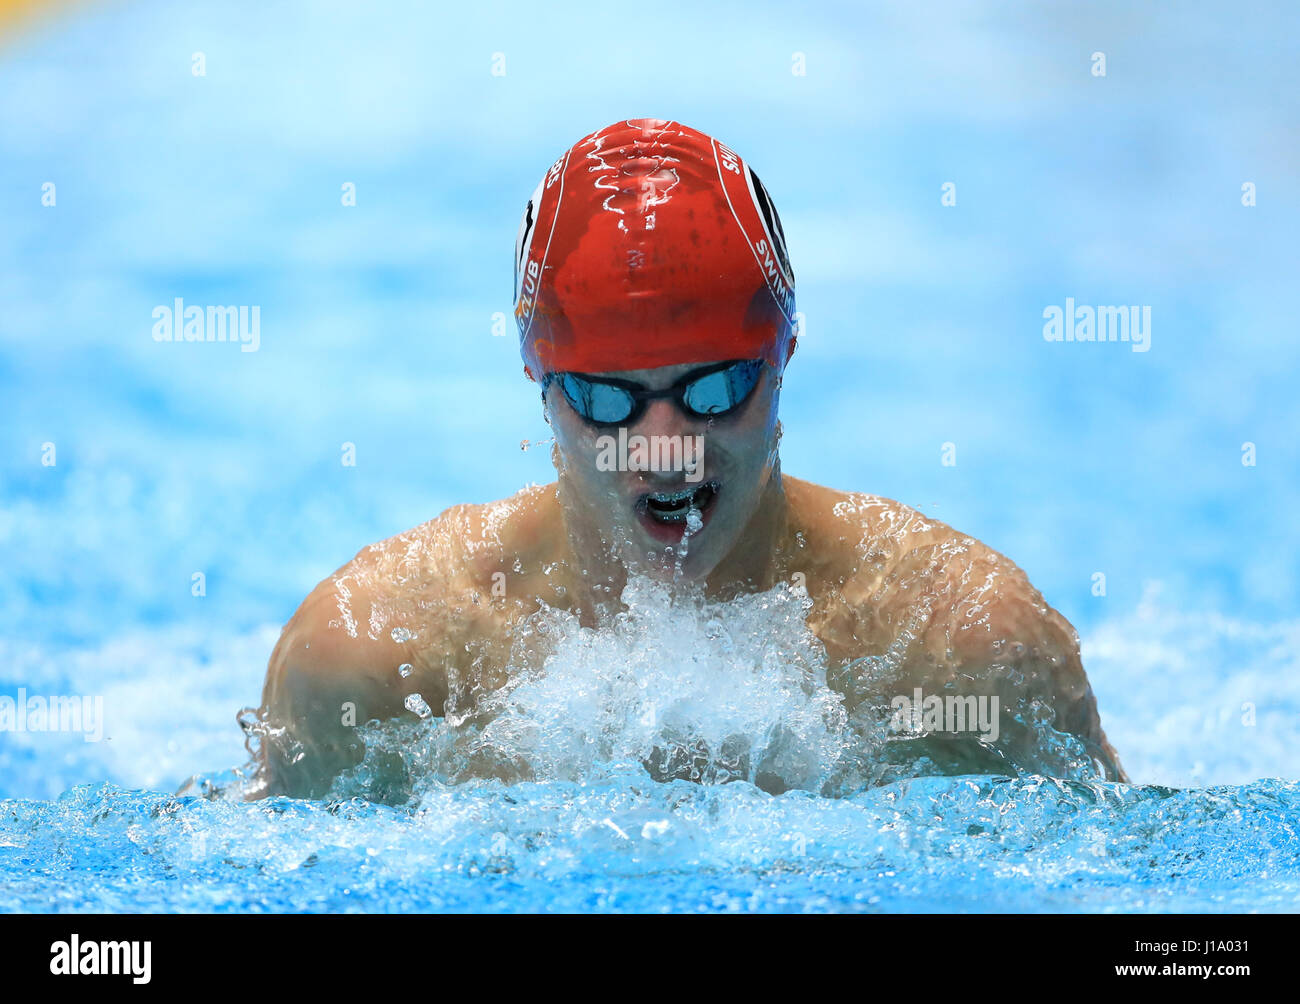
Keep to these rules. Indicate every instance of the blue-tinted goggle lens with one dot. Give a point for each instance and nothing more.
(717, 391)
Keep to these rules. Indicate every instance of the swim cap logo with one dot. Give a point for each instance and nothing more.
(772, 226)
(769, 249)
(524, 240)
(542, 212)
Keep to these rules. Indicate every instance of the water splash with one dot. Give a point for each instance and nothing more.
(694, 524)
(675, 687)
(679, 687)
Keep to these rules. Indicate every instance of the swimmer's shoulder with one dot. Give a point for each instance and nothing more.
(889, 555)
(482, 547)
(414, 598)
(858, 534)
(976, 619)
(966, 601)
(404, 583)
(461, 549)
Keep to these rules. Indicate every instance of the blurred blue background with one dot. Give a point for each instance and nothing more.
(923, 322)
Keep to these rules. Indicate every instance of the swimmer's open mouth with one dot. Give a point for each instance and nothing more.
(674, 507)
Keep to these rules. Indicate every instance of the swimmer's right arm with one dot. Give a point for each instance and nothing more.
(330, 672)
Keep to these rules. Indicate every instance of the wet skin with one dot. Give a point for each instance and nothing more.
(899, 600)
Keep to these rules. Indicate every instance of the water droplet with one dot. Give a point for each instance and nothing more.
(401, 634)
(417, 704)
(404, 670)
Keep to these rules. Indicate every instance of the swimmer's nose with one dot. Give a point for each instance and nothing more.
(662, 417)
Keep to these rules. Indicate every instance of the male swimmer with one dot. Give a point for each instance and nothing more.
(654, 298)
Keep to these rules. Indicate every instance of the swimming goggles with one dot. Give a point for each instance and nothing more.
(708, 392)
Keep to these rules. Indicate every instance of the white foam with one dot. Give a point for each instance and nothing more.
(695, 682)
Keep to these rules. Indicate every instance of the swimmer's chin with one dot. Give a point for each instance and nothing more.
(676, 579)
(664, 562)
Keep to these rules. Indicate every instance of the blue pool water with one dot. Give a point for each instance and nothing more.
(977, 844)
(923, 327)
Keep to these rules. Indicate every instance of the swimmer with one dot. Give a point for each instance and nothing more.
(655, 305)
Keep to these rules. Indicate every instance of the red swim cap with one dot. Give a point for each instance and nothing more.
(650, 244)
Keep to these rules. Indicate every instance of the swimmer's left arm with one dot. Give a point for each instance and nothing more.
(998, 637)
